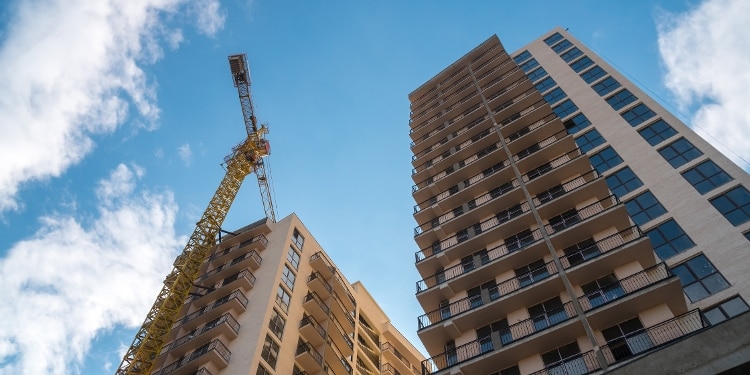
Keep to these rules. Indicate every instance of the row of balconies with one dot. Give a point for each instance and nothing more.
(260, 241)
(214, 352)
(613, 353)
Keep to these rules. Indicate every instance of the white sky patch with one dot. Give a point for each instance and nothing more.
(70, 280)
(186, 154)
(706, 52)
(71, 69)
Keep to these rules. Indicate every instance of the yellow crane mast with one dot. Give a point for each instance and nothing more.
(245, 158)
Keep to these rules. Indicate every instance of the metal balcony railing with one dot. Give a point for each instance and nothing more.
(321, 256)
(493, 254)
(552, 165)
(259, 238)
(387, 368)
(344, 362)
(344, 285)
(203, 371)
(499, 339)
(603, 246)
(244, 274)
(654, 337)
(312, 296)
(342, 332)
(389, 347)
(575, 216)
(565, 187)
(462, 146)
(371, 355)
(578, 364)
(226, 318)
(625, 287)
(370, 332)
(317, 276)
(309, 320)
(215, 345)
(237, 294)
(530, 128)
(499, 290)
(305, 347)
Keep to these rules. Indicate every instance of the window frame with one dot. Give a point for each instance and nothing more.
(644, 205)
(698, 275)
(680, 152)
(621, 99)
(637, 114)
(603, 161)
(698, 176)
(739, 204)
(606, 86)
(657, 134)
(668, 239)
(270, 351)
(590, 140)
(621, 182)
(594, 74)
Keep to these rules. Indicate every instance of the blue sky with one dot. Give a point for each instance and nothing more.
(114, 120)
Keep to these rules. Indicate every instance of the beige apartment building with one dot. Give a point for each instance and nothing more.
(270, 301)
(569, 224)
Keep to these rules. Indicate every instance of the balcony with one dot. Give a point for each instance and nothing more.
(338, 363)
(632, 294)
(311, 331)
(318, 284)
(387, 368)
(315, 306)
(440, 146)
(652, 338)
(341, 287)
(340, 311)
(236, 301)
(225, 325)
(569, 162)
(525, 117)
(533, 133)
(243, 279)
(370, 354)
(502, 342)
(465, 149)
(260, 241)
(371, 334)
(575, 189)
(593, 218)
(322, 265)
(500, 292)
(308, 358)
(578, 364)
(251, 259)
(341, 338)
(214, 352)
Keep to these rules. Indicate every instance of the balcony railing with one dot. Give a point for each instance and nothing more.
(307, 348)
(370, 332)
(530, 128)
(322, 257)
(389, 347)
(344, 285)
(215, 345)
(312, 296)
(203, 371)
(625, 287)
(565, 187)
(226, 318)
(499, 339)
(578, 364)
(374, 357)
(603, 246)
(493, 254)
(309, 320)
(652, 338)
(237, 294)
(539, 146)
(576, 216)
(244, 274)
(317, 276)
(463, 145)
(552, 165)
(501, 289)
(343, 334)
(259, 238)
(252, 254)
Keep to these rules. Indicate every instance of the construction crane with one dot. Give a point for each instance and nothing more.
(245, 158)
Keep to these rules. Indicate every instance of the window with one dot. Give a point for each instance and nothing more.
(562, 46)
(638, 114)
(270, 351)
(589, 140)
(564, 220)
(605, 159)
(576, 123)
(581, 252)
(525, 55)
(531, 273)
(644, 208)
(606, 86)
(555, 96)
(603, 290)
(519, 240)
(565, 360)
(484, 335)
(509, 213)
(623, 181)
(477, 259)
(488, 288)
(581, 64)
(539, 171)
(550, 194)
(288, 277)
(262, 371)
(552, 39)
(528, 65)
(547, 313)
(282, 298)
(706, 176)
(546, 84)
(657, 132)
(725, 310)
(512, 370)
(571, 54)
(627, 339)
(537, 74)
(699, 278)
(679, 152)
(734, 205)
(277, 323)
(621, 99)
(668, 239)
(293, 258)
(593, 74)
(566, 108)
(298, 240)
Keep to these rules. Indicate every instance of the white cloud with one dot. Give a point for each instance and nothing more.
(71, 69)
(706, 52)
(71, 280)
(186, 154)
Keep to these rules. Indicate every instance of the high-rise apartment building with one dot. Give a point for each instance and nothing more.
(270, 301)
(569, 224)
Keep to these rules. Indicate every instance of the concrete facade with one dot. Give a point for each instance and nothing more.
(270, 301)
(558, 227)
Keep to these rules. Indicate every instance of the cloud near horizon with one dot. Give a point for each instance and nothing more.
(72, 280)
(72, 69)
(706, 52)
